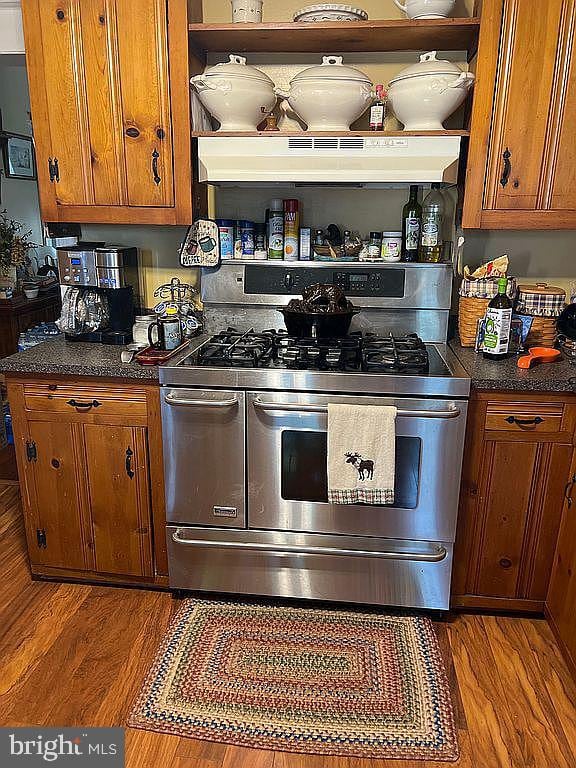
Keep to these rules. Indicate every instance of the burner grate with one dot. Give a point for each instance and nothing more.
(355, 352)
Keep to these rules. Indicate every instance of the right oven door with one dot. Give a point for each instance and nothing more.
(287, 468)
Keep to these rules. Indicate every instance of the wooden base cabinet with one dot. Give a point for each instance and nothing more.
(517, 463)
(91, 490)
(561, 599)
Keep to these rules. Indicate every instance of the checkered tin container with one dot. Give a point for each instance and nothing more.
(540, 300)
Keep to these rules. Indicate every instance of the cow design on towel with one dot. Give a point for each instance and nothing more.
(365, 467)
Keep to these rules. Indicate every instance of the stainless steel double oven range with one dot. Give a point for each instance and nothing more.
(244, 415)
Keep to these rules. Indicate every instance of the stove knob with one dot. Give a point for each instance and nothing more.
(288, 280)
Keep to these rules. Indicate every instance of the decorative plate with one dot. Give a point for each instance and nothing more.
(330, 12)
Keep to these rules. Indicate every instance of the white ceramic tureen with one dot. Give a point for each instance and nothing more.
(423, 95)
(427, 9)
(237, 95)
(329, 97)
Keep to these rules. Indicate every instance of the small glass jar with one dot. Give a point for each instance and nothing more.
(140, 329)
(375, 246)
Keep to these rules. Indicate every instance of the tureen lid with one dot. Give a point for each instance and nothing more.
(236, 67)
(332, 69)
(428, 65)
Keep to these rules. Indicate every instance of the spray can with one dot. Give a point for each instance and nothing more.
(291, 229)
(276, 230)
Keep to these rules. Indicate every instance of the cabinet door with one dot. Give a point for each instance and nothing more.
(561, 600)
(119, 499)
(145, 101)
(525, 76)
(62, 131)
(56, 535)
(520, 501)
(560, 171)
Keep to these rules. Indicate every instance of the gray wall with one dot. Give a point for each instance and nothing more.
(19, 196)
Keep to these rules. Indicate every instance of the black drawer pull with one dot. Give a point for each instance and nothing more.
(525, 422)
(84, 406)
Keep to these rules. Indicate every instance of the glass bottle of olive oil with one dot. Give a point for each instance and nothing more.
(498, 324)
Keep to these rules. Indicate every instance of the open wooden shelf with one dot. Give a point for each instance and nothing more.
(372, 134)
(334, 36)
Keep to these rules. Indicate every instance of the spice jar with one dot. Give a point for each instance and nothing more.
(375, 246)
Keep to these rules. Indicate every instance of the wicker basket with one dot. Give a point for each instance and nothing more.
(471, 309)
(543, 332)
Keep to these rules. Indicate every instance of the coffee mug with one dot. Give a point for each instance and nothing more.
(169, 333)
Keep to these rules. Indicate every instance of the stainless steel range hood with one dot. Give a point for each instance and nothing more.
(317, 159)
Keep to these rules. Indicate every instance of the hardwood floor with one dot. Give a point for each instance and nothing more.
(76, 655)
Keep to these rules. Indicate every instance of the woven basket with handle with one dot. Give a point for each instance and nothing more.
(470, 310)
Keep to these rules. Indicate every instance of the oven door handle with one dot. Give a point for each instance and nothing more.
(450, 413)
(436, 556)
(200, 403)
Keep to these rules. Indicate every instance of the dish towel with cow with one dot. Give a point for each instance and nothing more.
(361, 454)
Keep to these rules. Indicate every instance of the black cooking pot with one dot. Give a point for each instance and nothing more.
(321, 325)
(567, 322)
(322, 312)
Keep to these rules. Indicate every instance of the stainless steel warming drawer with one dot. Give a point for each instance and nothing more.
(348, 569)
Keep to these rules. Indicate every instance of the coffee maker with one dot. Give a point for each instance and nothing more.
(99, 283)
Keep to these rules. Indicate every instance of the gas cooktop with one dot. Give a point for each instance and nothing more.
(358, 363)
(276, 349)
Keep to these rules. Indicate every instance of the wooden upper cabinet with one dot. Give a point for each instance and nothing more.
(522, 159)
(110, 108)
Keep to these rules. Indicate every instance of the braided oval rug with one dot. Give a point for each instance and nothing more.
(306, 680)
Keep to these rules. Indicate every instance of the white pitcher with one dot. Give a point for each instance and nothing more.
(427, 9)
(247, 11)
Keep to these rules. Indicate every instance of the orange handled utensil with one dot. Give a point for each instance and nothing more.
(538, 355)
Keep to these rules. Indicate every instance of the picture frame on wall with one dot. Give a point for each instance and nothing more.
(18, 156)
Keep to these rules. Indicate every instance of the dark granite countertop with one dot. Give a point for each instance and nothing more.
(62, 358)
(506, 376)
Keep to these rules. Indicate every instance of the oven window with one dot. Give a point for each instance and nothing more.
(304, 461)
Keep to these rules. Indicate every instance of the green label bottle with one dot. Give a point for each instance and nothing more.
(498, 324)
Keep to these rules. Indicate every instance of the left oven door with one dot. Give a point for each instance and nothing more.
(204, 457)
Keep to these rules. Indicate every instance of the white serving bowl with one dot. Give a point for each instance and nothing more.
(237, 95)
(427, 9)
(31, 293)
(425, 94)
(330, 12)
(329, 97)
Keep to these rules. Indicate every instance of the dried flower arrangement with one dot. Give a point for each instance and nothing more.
(14, 243)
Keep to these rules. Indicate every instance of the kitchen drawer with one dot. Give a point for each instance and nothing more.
(526, 418)
(85, 401)
(311, 566)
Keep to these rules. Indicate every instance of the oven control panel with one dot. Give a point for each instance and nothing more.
(362, 281)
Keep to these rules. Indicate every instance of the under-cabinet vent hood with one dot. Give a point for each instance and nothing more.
(365, 160)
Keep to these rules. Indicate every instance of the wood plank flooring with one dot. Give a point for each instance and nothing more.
(76, 655)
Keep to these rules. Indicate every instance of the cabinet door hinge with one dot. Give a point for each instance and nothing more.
(31, 451)
(41, 538)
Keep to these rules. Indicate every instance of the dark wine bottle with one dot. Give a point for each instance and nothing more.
(411, 226)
